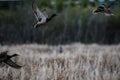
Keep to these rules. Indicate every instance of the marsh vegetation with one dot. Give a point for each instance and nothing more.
(75, 62)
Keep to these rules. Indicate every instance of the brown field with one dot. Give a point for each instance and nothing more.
(75, 62)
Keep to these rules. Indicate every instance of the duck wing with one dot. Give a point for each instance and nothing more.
(110, 5)
(12, 64)
(45, 14)
(38, 14)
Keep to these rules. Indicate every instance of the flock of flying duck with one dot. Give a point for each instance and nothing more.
(42, 18)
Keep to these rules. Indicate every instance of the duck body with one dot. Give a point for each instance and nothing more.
(41, 22)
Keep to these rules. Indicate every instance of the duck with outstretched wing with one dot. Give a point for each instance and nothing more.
(41, 16)
(4, 57)
(104, 8)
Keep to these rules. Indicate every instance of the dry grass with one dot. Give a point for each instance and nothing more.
(76, 62)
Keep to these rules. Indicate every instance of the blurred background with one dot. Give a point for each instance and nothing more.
(74, 22)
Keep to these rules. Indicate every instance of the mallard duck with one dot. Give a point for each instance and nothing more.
(4, 57)
(103, 9)
(41, 16)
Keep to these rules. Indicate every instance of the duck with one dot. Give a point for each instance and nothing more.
(41, 15)
(5, 58)
(105, 9)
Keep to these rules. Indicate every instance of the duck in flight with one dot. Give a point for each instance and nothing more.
(41, 16)
(4, 57)
(103, 9)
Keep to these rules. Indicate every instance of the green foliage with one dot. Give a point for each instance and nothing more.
(72, 23)
(43, 3)
(84, 3)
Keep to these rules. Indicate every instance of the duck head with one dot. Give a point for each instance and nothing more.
(14, 55)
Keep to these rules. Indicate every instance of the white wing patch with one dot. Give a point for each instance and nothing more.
(45, 14)
(39, 14)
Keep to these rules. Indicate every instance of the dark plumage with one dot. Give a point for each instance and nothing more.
(41, 16)
(4, 57)
(103, 9)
